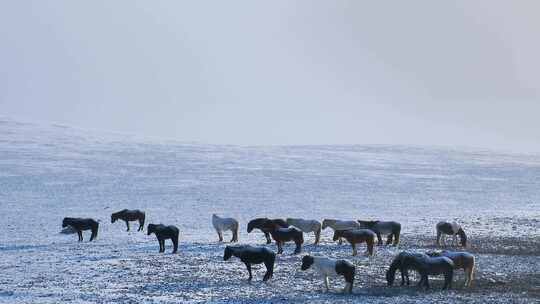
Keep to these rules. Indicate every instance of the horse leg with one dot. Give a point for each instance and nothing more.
(298, 247)
(389, 239)
(175, 244)
(235, 235)
(268, 240)
(326, 283)
(396, 239)
(162, 245)
(426, 281)
(220, 236)
(141, 225)
(354, 249)
(379, 239)
(317, 236)
(79, 233)
(280, 247)
(370, 247)
(248, 266)
(127, 225)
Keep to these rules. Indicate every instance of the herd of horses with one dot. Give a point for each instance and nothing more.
(292, 230)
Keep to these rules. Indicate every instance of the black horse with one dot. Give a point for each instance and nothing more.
(162, 233)
(392, 229)
(265, 225)
(129, 215)
(80, 224)
(252, 255)
(425, 266)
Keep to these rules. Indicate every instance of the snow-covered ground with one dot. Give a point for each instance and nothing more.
(48, 172)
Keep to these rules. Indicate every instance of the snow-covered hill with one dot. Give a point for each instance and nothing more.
(48, 172)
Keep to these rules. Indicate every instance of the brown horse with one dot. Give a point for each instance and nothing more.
(462, 260)
(265, 225)
(356, 237)
(128, 216)
(283, 235)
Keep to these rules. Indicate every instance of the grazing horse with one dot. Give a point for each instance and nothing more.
(453, 229)
(265, 224)
(331, 268)
(162, 233)
(392, 229)
(128, 216)
(356, 237)
(398, 263)
(340, 225)
(252, 255)
(307, 226)
(462, 260)
(425, 265)
(283, 235)
(81, 224)
(223, 224)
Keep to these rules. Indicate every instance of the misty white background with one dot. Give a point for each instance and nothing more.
(456, 73)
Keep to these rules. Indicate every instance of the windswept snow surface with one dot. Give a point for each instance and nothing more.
(48, 172)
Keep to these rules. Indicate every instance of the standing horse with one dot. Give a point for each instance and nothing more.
(307, 226)
(340, 225)
(163, 233)
(453, 229)
(356, 237)
(462, 260)
(128, 216)
(331, 268)
(252, 255)
(398, 263)
(392, 229)
(425, 265)
(265, 224)
(283, 235)
(81, 224)
(223, 224)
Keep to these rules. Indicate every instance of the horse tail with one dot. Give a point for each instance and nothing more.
(397, 232)
(143, 218)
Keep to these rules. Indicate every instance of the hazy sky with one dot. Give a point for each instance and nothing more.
(279, 72)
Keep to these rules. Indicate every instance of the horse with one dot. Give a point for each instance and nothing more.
(263, 225)
(397, 263)
(306, 226)
(425, 265)
(453, 229)
(340, 225)
(392, 229)
(128, 216)
(283, 235)
(357, 236)
(163, 233)
(461, 259)
(223, 224)
(81, 224)
(252, 255)
(331, 268)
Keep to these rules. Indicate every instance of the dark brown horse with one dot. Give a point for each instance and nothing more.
(356, 237)
(425, 265)
(283, 235)
(128, 216)
(392, 229)
(81, 224)
(252, 255)
(163, 233)
(265, 225)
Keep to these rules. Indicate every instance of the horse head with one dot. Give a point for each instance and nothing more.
(256, 223)
(228, 253)
(151, 228)
(307, 261)
(390, 276)
(114, 217)
(463, 237)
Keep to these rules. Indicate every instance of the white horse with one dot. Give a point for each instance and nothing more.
(340, 225)
(331, 268)
(223, 224)
(307, 226)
